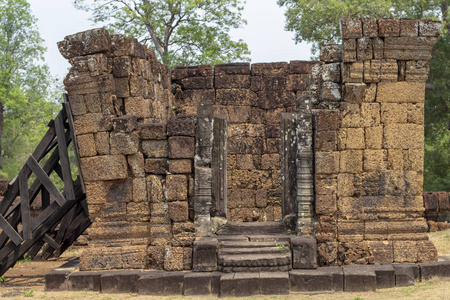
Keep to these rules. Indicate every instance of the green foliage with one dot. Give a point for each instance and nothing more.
(317, 22)
(26, 258)
(2, 279)
(25, 94)
(182, 32)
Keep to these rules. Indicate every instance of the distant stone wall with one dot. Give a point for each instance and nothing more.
(252, 97)
(136, 160)
(369, 94)
(437, 210)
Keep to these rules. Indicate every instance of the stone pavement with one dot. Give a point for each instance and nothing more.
(321, 280)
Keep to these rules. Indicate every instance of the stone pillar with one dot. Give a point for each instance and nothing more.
(219, 167)
(305, 170)
(203, 172)
(289, 168)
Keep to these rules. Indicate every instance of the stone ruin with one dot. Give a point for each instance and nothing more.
(323, 158)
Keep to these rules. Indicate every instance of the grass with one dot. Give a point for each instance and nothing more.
(441, 239)
(28, 293)
(26, 258)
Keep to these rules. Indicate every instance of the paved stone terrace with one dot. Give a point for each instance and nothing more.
(320, 280)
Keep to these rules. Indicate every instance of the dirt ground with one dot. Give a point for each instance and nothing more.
(26, 280)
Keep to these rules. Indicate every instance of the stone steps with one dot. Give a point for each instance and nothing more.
(256, 254)
(254, 228)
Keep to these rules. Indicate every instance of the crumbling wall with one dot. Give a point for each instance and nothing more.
(370, 95)
(136, 160)
(252, 97)
(437, 210)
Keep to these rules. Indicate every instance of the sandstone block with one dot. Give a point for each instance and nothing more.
(326, 204)
(181, 147)
(269, 99)
(374, 137)
(325, 184)
(331, 91)
(353, 72)
(409, 27)
(345, 185)
(351, 161)
(270, 161)
(137, 106)
(176, 187)
(153, 131)
(327, 120)
(122, 87)
(124, 143)
(375, 160)
(351, 115)
(122, 66)
(297, 82)
(429, 27)
(180, 166)
(279, 68)
(389, 27)
(403, 136)
(107, 167)
(364, 49)
(156, 165)
(173, 261)
(86, 42)
(354, 92)
(178, 211)
(416, 70)
(331, 53)
(351, 138)
(377, 47)
(237, 97)
(409, 48)
(327, 162)
(86, 145)
(370, 114)
(349, 50)
(351, 28)
(90, 123)
(155, 148)
(331, 72)
(393, 113)
(405, 251)
(155, 192)
(136, 164)
(401, 92)
(300, 67)
(369, 27)
(125, 123)
(183, 126)
(326, 140)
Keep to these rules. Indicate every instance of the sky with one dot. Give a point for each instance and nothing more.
(264, 33)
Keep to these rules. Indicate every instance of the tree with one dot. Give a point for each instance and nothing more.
(317, 22)
(24, 86)
(183, 32)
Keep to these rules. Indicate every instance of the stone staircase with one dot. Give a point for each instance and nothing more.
(254, 254)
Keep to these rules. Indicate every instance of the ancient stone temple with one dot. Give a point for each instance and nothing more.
(286, 165)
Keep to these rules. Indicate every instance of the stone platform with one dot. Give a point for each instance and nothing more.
(320, 280)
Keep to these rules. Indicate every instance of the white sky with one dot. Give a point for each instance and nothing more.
(264, 32)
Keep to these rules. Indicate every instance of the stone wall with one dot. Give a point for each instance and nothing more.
(252, 97)
(136, 160)
(437, 210)
(369, 95)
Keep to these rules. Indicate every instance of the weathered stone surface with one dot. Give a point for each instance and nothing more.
(153, 131)
(178, 211)
(429, 28)
(84, 281)
(183, 127)
(180, 166)
(239, 285)
(126, 123)
(181, 147)
(409, 27)
(359, 279)
(401, 92)
(389, 27)
(409, 48)
(197, 284)
(156, 165)
(351, 161)
(86, 145)
(351, 28)
(369, 27)
(155, 148)
(330, 53)
(327, 162)
(107, 167)
(176, 186)
(304, 250)
(83, 43)
(326, 279)
(403, 136)
(205, 255)
(274, 283)
(124, 143)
